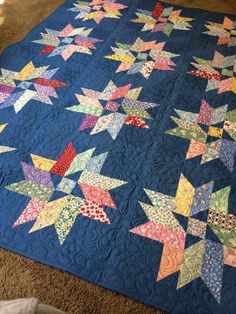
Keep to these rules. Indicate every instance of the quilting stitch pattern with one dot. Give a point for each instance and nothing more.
(81, 202)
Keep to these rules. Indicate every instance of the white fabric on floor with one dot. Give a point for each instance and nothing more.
(27, 306)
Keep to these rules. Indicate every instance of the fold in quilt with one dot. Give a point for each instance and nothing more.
(117, 150)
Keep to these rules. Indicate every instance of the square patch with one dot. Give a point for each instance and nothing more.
(112, 106)
(197, 228)
(66, 185)
(215, 132)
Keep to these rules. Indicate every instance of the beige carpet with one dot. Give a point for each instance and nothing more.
(21, 277)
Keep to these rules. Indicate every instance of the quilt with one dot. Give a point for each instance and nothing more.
(117, 150)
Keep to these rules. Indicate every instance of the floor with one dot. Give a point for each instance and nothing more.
(23, 277)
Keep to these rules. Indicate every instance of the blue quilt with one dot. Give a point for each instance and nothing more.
(117, 150)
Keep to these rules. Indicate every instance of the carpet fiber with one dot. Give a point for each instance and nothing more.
(26, 278)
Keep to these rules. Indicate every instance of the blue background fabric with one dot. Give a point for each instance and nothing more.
(111, 255)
